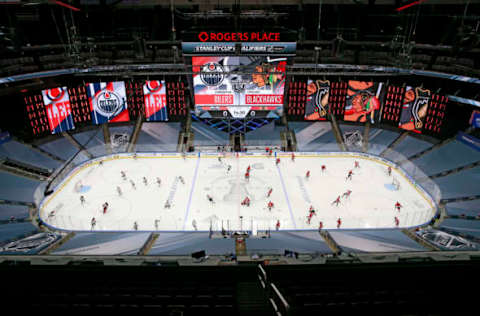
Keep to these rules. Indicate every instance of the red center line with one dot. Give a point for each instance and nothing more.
(409, 5)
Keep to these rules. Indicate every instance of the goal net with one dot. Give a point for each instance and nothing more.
(396, 184)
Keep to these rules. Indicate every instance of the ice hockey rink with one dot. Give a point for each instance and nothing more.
(185, 182)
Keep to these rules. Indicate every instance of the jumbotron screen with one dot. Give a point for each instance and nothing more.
(256, 84)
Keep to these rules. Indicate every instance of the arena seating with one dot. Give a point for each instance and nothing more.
(468, 208)
(407, 147)
(206, 135)
(162, 137)
(17, 151)
(463, 183)
(17, 211)
(103, 244)
(171, 244)
(267, 135)
(449, 156)
(60, 147)
(380, 139)
(385, 240)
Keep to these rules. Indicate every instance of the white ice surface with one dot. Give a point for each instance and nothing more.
(371, 204)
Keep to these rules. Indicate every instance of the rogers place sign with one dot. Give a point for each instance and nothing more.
(239, 36)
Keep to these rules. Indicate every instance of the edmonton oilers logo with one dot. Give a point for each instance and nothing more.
(108, 103)
(212, 74)
(154, 86)
(56, 94)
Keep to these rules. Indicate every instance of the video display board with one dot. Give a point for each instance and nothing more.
(363, 101)
(257, 83)
(414, 109)
(317, 106)
(58, 109)
(155, 96)
(108, 102)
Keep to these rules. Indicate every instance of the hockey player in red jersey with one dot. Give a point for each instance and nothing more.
(349, 176)
(398, 206)
(105, 207)
(293, 157)
(311, 211)
(397, 221)
(337, 201)
(270, 152)
(320, 225)
(324, 168)
(247, 176)
(270, 205)
(389, 170)
(277, 225)
(308, 174)
(277, 161)
(248, 169)
(246, 201)
(357, 164)
(339, 222)
(347, 194)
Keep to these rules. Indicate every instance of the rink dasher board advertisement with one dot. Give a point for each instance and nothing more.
(108, 102)
(58, 109)
(259, 83)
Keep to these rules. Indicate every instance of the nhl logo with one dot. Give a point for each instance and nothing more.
(212, 74)
(108, 103)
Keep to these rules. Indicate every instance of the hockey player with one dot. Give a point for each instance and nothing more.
(277, 161)
(357, 164)
(133, 184)
(51, 214)
(267, 150)
(247, 176)
(100, 163)
(324, 168)
(159, 182)
(339, 222)
(248, 169)
(311, 211)
(389, 171)
(156, 224)
(105, 207)
(349, 176)
(119, 191)
(277, 225)
(320, 225)
(93, 222)
(246, 201)
(135, 156)
(167, 204)
(270, 152)
(194, 224)
(398, 206)
(220, 159)
(270, 205)
(135, 225)
(293, 156)
(308, 174)
(269, 192)
(210, 199)
(337, 201)
(182, 180)
(397, 221)
(82, 199)
(347, 194)
(124, 176)
(145, 181)
(229, 167)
